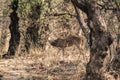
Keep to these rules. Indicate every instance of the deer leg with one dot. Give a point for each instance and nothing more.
(63, 53)
(58, 51)
(80, 50)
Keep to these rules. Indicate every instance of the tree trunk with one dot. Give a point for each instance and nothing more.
(101, 41)
(14, 30)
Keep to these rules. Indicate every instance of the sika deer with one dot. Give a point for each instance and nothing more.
(67, 42)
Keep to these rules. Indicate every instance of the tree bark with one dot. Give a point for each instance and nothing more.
(100, 40)
(14, 30)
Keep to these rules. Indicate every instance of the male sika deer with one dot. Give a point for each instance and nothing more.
(67, 42)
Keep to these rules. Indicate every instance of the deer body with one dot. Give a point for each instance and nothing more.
(67, 42)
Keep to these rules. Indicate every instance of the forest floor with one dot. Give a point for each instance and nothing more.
(43, 67)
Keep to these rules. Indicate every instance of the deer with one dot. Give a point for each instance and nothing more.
(62, 43)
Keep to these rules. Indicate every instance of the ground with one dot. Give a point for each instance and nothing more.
(44, 66)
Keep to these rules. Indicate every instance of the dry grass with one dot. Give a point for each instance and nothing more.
(47, 65)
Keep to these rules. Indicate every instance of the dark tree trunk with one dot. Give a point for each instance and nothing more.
(100, 40)
(14, 30)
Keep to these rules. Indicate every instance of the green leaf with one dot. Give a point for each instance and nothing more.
(5, 11)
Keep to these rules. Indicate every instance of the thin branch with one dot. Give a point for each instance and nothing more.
(61, 14)
(79, 20)
(108, 8)
(81, 5)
